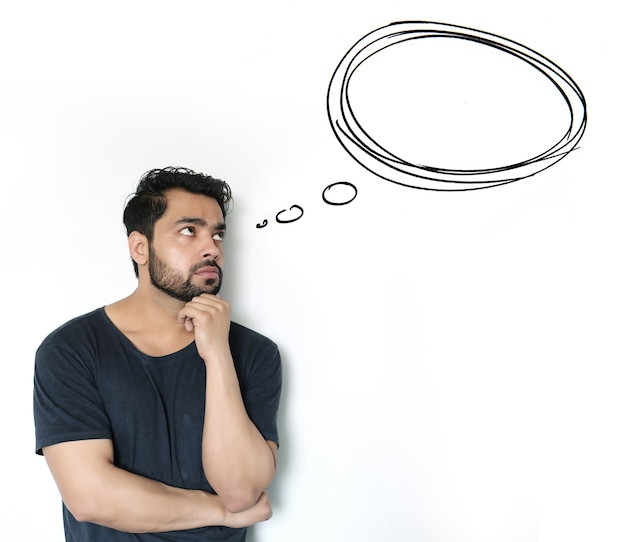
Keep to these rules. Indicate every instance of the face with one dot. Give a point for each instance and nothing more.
(186, 254)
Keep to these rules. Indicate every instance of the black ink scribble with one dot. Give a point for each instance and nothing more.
(289, 220)
(383, 163)
(326, 199)
(340, 183)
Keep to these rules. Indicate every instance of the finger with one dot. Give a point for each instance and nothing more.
(202, 302)
(185, 321)
(196, 306)
(189, 324)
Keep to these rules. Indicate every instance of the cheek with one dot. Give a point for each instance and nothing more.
(174, 256)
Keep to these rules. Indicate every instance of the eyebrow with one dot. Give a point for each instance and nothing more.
(198, 222)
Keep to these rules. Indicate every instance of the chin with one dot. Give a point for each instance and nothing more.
(212, 288)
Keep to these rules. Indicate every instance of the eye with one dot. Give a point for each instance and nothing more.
(188, 231)
(218, 236)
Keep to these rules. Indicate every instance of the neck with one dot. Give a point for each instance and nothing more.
(153, 301)
(150, 308)
(150, 322)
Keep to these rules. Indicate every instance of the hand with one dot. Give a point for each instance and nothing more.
(208, 317)
(261, 511)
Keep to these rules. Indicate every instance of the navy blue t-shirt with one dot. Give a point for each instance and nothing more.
(92, 383)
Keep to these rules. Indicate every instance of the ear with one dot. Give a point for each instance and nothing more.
(138, 247)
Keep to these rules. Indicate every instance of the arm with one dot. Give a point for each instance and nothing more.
(95, 490)
(238, 462)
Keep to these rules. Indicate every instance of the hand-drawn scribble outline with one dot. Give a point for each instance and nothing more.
(262, 224)
(288, 221)
(382, 163)
(326, 200)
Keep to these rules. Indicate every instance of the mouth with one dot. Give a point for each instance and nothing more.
(208, 272)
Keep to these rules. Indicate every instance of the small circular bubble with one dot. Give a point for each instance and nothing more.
(291, 219)
(342, 193)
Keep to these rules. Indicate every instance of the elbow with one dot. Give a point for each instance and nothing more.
(86, 504)
(83, 508)
(239, 490)
(237, 497)
(237, 493)
(236, 503)
(81, 515)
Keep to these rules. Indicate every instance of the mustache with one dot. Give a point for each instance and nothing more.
(206, 263)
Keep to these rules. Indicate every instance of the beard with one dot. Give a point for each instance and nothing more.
(175, 284)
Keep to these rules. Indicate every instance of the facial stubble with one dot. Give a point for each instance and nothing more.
(175, 284)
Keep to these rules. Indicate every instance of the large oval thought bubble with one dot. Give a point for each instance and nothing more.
(444, 107)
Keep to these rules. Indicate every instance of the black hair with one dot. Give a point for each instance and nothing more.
(149, 201)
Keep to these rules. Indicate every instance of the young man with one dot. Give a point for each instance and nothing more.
(156, 414)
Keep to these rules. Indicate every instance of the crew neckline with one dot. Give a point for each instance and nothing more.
(166, 357)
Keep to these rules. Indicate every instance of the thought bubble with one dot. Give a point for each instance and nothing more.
(361, 128)
(392, 83)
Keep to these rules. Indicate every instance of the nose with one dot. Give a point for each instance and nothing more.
(210, 248)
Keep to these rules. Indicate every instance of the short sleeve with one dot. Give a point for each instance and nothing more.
(66, 403)
(261, 390)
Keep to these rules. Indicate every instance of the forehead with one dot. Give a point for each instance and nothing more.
(181, 204)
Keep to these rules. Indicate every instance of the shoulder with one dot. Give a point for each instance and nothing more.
(81, 333)
(252, 351)
(81, 325)
(242, 334)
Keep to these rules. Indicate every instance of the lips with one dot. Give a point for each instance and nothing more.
(208, 272)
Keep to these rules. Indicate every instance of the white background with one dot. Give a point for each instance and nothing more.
(453, 362)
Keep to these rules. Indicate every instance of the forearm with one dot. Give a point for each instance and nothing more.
(97, 491)
(238, 462)
(127, 502)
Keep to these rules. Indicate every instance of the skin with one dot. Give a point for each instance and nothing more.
(238, 462)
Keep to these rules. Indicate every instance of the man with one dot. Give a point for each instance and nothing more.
(156, 414)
